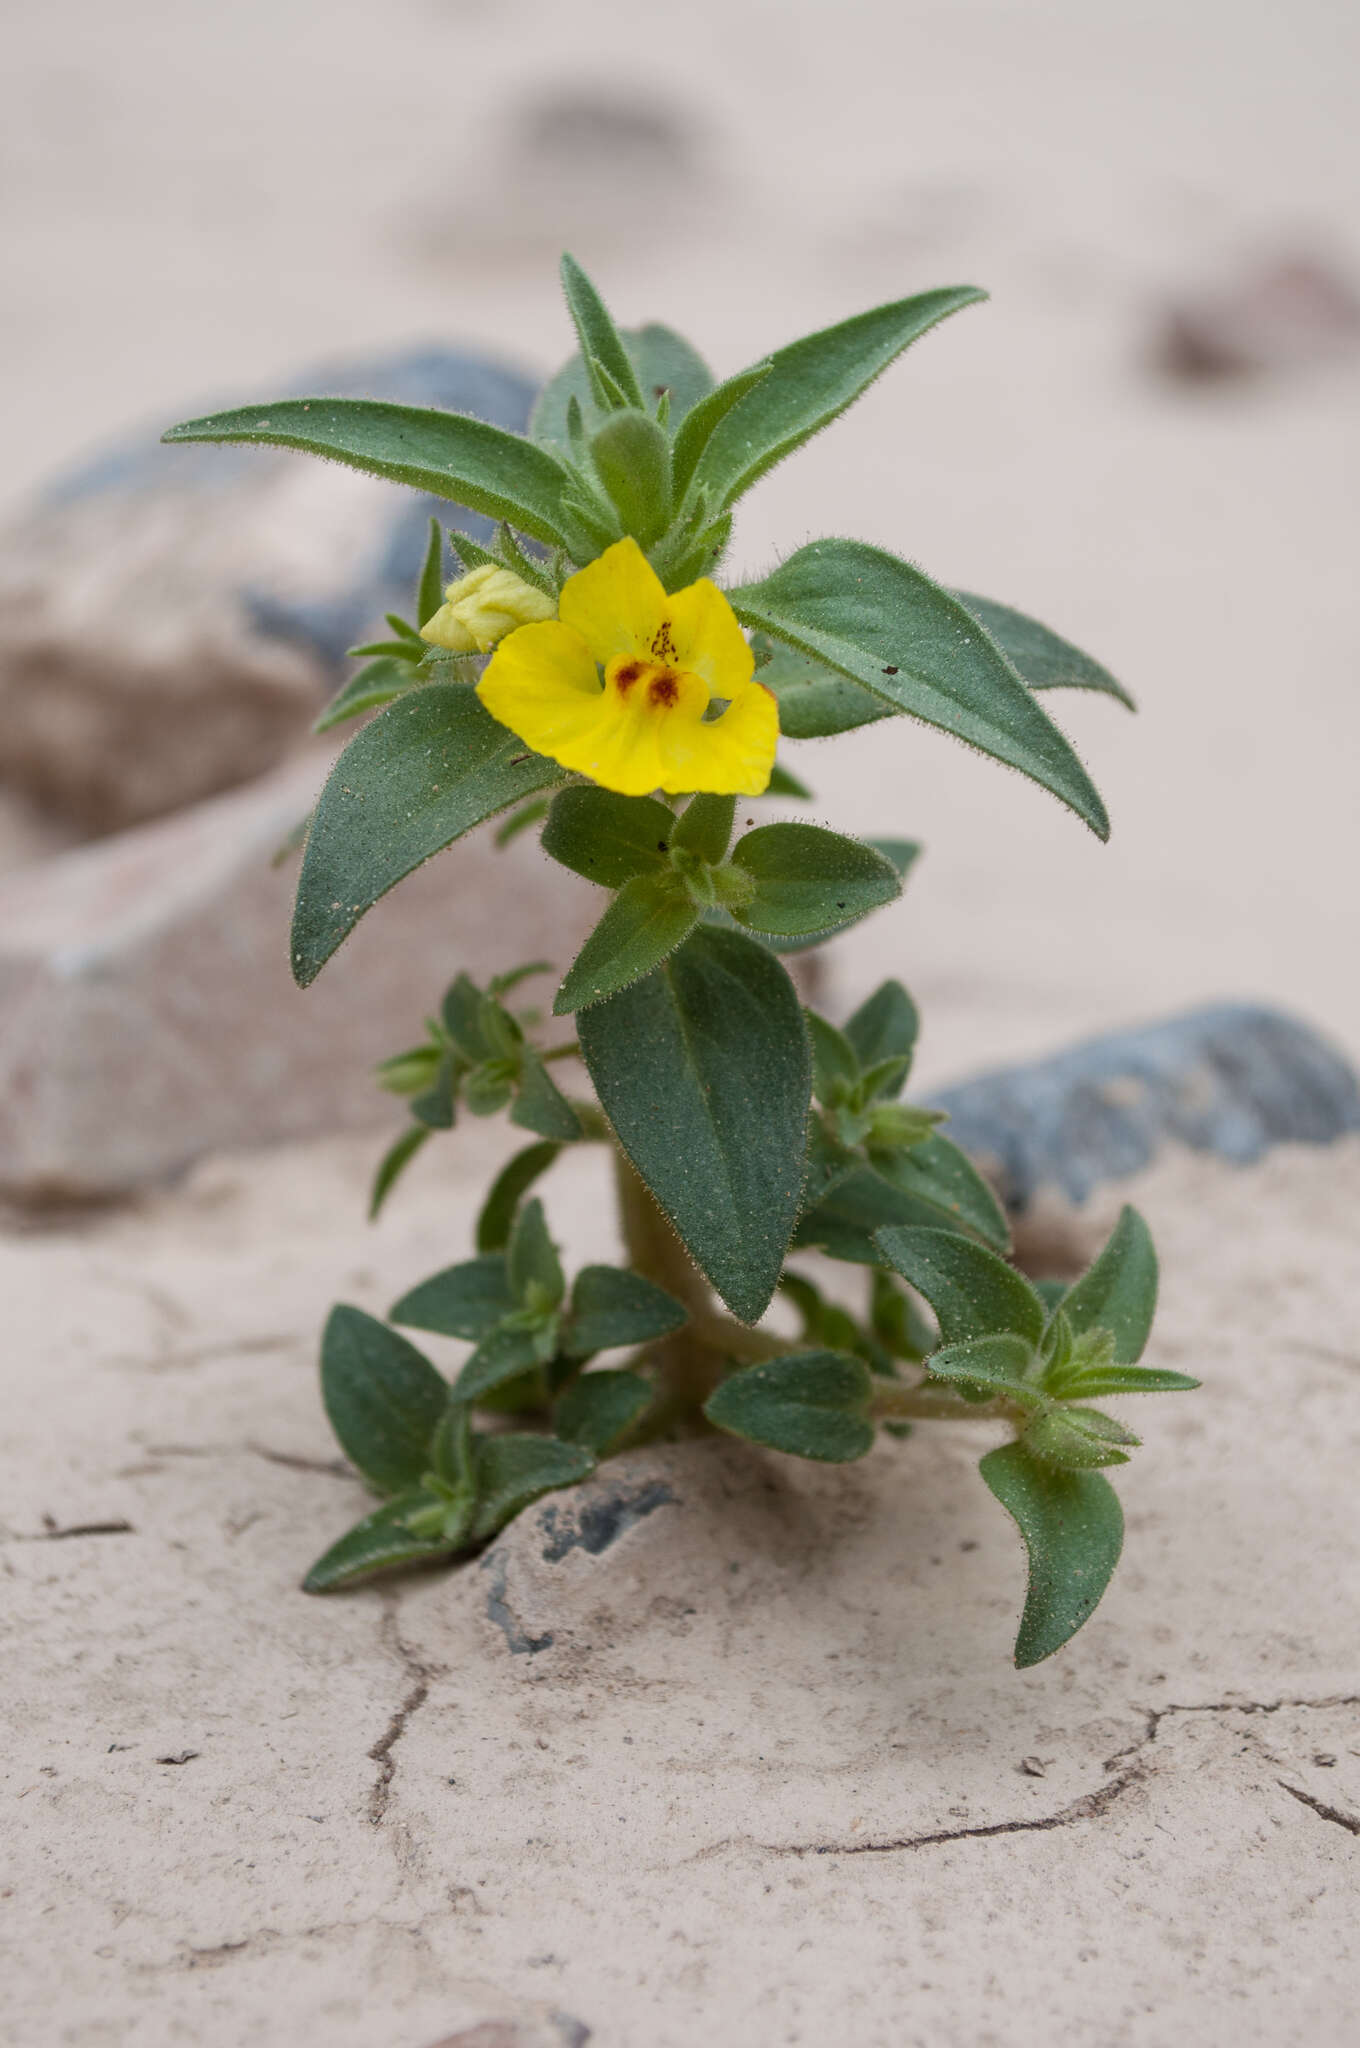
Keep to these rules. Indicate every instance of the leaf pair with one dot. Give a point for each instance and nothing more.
(393, 1415)
(669, 872)
(999, 1340)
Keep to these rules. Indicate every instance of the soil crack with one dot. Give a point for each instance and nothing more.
(1321, 1808)
(383, 1752)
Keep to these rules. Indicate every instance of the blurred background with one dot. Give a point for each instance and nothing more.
(1149, 438)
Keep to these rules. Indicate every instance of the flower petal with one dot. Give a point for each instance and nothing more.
(731, 755)
(707, 639)
(542, 683)
(616, 603)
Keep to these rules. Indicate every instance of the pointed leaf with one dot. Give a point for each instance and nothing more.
(972, 1291)
(812, 1404)
(662, 360)
(808, 879)
(430, 592)
(376, 684)
(393, 1164)
(514, 1470)
(425, 771)
(704, 827)
(383, 1397)
(1101, 1382)
(809, 384)
(1042, 659)
(513, 1181)
(703, 420)
(379, 1543)
(531, 1262)
(885, 625)
(703, 1069)
(1079, 1439)
(1073, 1528)
(1119, 1292)
(835, 1065)
(540, 1104)
(595, 330)
(502, 1356)
(885, 1026)
(606, 837)
(611, 1307)
(814, 701)
(996, 1363)
(448, 454)
(600, 1408)
(467, 1300)
(647, 920)
(938, 1172)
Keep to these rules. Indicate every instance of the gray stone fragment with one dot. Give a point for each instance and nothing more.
(147, 1014)
(172, 618)
(1232, 1079)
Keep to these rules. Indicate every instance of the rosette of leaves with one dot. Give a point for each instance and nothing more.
(746, 1128)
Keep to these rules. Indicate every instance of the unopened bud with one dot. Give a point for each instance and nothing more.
(482, 607)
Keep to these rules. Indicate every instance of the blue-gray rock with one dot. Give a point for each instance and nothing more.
(1232, 1079)
(172, 617)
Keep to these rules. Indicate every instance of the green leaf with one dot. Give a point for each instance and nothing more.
(401, 651)
(995, 1363)
(393, 1164)
(704, 1071)
(808, 879)
(885, 1026)
(938, 1172)
(662, 361)
(503, 1355)
(466, 1300)
(514, 1470)
(1079, 1439)
(605, 837)
(425, 771)
(540, 1104)
(972, 1291)
(782, 783)
(376, 684)
(595, 330)
(531, 1262)
(812, 1404)
(704, 827)
(1041, 658)
(430, 590)
(1073, 1528)
(452, 1449)
(464, 1010)
(434, 1106)
(704, 419)
(647, 920)
(600, 1408)
(835, 1067)
(887, 626)
(1119, 1292)
(859, 1202)
(808, 385)
(814, 701)
(383, 1397)
(379, 1543)
(632, 459)
(1098, 1383)
(520, 820)
(513, 1181)
(448, 454)
(611, 1307)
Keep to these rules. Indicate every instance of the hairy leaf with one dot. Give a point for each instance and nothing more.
(606, 837)
(1119, 1292)
(611, 1307)
(600, 1408)
(704, 1071)
(1073, 1528)
(885, 625)
(425, 771)
(514, 1470)
(379, 1543)
(466, 1300)
(643, 925)
(448, 454)
(972, 1291)
(812, 1404)
(1045, 661)
(513, 1181)
(808, 879)
(383, 1397)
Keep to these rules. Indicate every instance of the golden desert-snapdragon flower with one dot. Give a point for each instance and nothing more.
(666, 657)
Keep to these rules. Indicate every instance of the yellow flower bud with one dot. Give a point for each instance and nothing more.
(482, 607)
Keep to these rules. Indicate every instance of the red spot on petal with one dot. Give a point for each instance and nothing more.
(628, 673)
(664, 688)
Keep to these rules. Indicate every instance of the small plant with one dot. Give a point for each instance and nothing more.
(584, 678)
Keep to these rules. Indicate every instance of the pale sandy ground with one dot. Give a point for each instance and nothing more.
(191, 201)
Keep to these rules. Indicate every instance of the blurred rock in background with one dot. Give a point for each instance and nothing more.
(1284, 313)
(172, 619)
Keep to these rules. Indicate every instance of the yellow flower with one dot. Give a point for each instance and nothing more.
(482, 607)
(665, 659)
